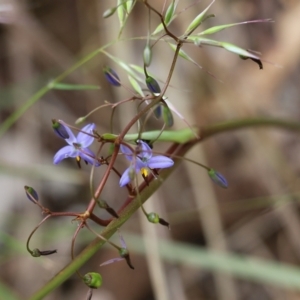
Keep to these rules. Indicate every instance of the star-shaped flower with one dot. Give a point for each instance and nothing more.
(142, 162)
(78, 146)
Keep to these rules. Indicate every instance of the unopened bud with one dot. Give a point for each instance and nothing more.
(153, 85)
(93, 280)
(111, 76)
(218, 178)
(31, 194)
(60, 129)
(37, 253)
(147, 55)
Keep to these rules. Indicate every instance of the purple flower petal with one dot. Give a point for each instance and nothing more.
(160, 162)
(89, 156)
(127, 151)
(146, 153)
(83, 139)
(72, 139)
(125, 178)
(111, 261)
(67, 151)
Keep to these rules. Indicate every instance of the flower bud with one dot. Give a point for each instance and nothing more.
(31, 194)
(153, 218)
(167, 116)
(152, 85)
(124, 253)
(218, 178)
(157, 111)
(60, 129)
(111, 76)
(37, 253)
(147, 55)
(93, 280)
(109, 12)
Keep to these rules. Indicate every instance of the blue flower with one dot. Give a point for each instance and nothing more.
(142, 162)
(78, 146)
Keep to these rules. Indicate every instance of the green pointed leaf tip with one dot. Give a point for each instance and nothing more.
(167, 116)
(93, 280)
(237, 50)
(121, 8)
(31, 193)
(109, 12)
(147, 55)
(218, 178)
(199, 19)
(170, 13)
(153, 218)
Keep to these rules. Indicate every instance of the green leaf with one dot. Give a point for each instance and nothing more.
(168, 19)
(121, 4)
(184, 55)
(237, 50)
(72, 87)
(198, 20)
(170, 12)
(219, 28)
(136, 86)
(129, 5)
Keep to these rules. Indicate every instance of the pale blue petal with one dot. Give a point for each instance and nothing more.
(83, 139)
(72, 139)
(160, 162)
(127, 151)
(125, 179)
(65, 152)
(89, 156)
(146, 152)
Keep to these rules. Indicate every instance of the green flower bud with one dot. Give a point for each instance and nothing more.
(167, 116)
(147, 55)
(93, 280)
(31, 194)
(153, 218)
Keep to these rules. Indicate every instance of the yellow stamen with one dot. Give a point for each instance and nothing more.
(78, 158)
(144, 172)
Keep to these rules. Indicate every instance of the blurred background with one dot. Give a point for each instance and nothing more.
(258, 215)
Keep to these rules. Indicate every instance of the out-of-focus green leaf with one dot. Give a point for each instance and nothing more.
(222, 27)
(242, 266)
(136, 86)
(72, 87)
